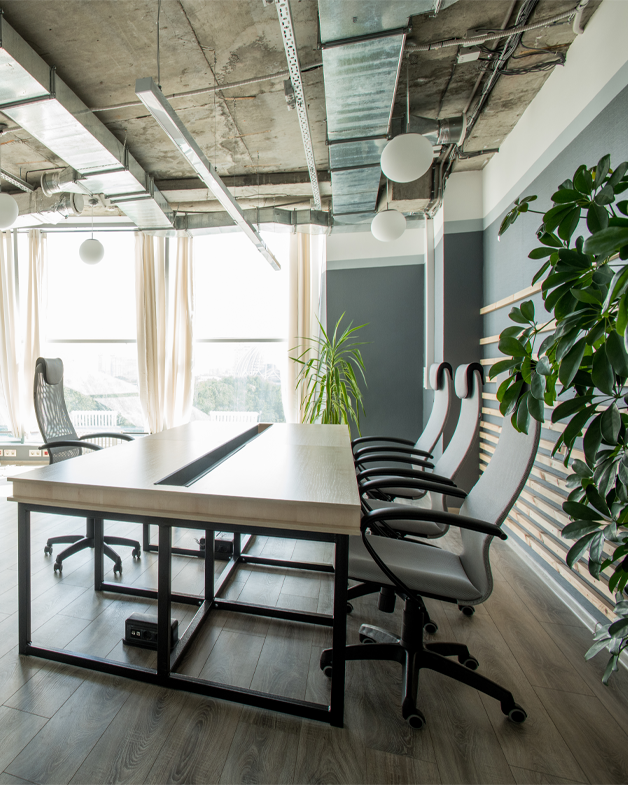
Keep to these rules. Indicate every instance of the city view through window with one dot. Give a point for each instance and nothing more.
(240, 325)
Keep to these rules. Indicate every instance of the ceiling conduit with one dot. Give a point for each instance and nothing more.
(37, 100)
(362, 43)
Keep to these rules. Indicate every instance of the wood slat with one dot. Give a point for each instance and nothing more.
(495, 338)
(512, 298)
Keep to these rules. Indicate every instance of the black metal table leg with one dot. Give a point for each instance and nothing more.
(237, 545)
(339, 631)
(164, 600)
(99, 553)
(24, 576)
(209, 565)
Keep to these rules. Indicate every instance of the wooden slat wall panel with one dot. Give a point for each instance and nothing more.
(537, 518)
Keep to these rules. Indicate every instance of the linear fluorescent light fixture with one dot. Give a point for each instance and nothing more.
(156, 103)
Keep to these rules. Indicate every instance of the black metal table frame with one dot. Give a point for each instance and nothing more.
(168, 658)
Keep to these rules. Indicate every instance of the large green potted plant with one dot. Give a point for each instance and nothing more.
(582, 362)
(330, 368)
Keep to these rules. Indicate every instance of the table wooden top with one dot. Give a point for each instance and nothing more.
(289, 476)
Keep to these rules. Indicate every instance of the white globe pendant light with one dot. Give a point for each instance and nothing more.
(388, 225)
(92, 251)
(9, 211)
(406, 157)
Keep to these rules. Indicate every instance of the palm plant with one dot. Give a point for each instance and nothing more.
(329, 374)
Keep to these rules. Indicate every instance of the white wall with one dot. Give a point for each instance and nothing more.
(595, 72)
(360, 249)
(463, 202)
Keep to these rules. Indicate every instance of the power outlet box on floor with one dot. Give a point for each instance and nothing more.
(140, 629)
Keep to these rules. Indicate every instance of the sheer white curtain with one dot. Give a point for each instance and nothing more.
(306, 292)
(150, 294)
(179, 378)
(9, 337)
(164, 352)
(35, 314)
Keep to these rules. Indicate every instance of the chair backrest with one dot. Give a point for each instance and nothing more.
(493, 496)
(441, 382)
(468, 386)
(52, 415)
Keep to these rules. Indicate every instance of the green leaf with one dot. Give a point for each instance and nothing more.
(592, 440)
(523, 413)
(566, 195)
(567, 408)
(511, 346)
(597, 218)
(536, 408)
(548, 238)
(537, 386)
(607, 241)
(602, 374)
(543, 366)
(583, 180)
(571, 363)
(595, 500)
(554, 216)
(610, 424)
(510, 398)
(618, 174)
(569, 224)
(566, 342)
(540, 253)
(618, 628)
(575, 426)
(539, 273)
(574, 258)
(605, 196)
(597, 647)
(515, 315)
(579, 529)
(622, 315)
(581, 469)
(578, 549)
(589, 295)
(595, 555)
(601, 170)
(616, 352)
(501, 366)
(527, 309)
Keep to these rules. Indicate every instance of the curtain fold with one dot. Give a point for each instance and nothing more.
(180, 379)
(9, 337)
(35, 316)
(150, 294)
(306, 305)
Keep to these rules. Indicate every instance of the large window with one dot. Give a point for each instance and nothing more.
(240, 327)
(90, 324)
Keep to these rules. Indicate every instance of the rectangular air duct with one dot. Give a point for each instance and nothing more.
(37, 100)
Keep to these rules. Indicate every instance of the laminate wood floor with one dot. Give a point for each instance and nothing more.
(60, 724)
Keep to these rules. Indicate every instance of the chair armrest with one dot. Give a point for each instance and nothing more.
(383, 448)
(124, 436)
(419, 485)
(434, 516)
(394, 439)
(70, 443)
(378, 457)
(409, 473)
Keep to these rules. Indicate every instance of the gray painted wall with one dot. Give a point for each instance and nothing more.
(390, 299)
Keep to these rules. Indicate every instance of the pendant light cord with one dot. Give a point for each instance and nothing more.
(158, 58)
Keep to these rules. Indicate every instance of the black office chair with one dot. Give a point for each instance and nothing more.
(62, 443)
(416, 570)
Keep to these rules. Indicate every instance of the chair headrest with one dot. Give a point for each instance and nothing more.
(53, 369)
(437, 374)
(465, 375)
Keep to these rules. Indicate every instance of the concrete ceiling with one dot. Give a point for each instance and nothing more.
(100, 47)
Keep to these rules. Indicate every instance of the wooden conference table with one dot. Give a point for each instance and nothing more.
(294, 481)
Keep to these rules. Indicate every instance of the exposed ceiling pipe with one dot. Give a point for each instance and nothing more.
(34, 97)
(156, 103)
(577, 20)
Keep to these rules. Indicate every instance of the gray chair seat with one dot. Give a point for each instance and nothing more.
(422, 568)
(419, 528)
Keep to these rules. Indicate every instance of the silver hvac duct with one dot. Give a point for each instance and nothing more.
(34, 97)
(37, 203)
(362, 43)
(62, 180)
(449, 130)
(273, 219)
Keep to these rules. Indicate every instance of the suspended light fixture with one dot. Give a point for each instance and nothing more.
(9, 209)
(408, 156)
(92, 251)
(388, 225)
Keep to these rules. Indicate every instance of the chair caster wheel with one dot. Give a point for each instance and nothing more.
(349, 608)
(468, 610)
(325, 662)
(416, 720)
(58, 567)
(328, 670)
(430, 627)
(136, 553)
(117, 569)
(47, 549)
(517, 714)
(470, 662)
(366, 639)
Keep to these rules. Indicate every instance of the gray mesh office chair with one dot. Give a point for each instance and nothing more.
(441, 382)
(378, 487)
(62, 443)
(416, 571)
